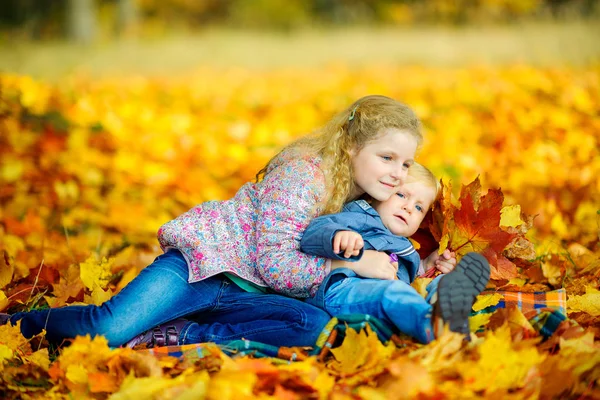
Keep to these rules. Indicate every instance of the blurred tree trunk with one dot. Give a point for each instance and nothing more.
(127, 17)
(81, 20)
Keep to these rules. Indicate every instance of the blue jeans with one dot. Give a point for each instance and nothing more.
(394, 302)
(221, 310)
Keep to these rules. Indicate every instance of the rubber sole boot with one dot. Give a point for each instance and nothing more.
(458, 289)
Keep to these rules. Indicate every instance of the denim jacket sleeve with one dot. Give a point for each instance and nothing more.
(318, 237)
(288, 199)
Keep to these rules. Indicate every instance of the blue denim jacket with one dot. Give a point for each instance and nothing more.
(360, 217)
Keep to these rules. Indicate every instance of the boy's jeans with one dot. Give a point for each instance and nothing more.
(160, 293)
(394, 302)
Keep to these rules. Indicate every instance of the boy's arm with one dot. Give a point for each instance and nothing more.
(318, 237)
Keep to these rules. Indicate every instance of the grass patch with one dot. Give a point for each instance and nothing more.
(543, 44)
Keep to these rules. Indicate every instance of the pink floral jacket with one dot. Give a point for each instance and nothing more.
(256, 234)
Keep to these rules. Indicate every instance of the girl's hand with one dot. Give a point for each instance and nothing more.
(444, 262)
(349, 242)
(373, 264)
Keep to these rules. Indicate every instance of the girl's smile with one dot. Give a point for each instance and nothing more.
(381, 165)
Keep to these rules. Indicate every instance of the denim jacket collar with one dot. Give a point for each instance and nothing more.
(361, 206)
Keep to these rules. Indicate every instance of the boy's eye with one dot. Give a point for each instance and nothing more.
(387, 158)
(401, 195)
(406, 165)
(419, 208)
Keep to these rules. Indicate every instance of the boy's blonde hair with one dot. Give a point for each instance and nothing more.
(350, 130)
(419, 173)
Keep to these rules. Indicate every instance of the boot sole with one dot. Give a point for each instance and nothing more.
(458, 289)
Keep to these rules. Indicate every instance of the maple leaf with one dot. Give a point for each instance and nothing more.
(486, 300)
(4, 302)
(509, 366)
(360, 357)
(475, 226)
(442, 354)
(6, 270)
(588, 302)
(407, 379)
(69, 286)
(95, 272)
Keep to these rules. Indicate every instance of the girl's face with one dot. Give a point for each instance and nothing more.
(380, 167)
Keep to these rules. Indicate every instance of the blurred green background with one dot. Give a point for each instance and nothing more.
(53, 38)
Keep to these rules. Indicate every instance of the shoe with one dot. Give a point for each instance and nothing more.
(166, 334)
(457, 292)
(4, 318)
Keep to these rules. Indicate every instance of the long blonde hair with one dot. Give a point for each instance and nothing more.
(359, 124)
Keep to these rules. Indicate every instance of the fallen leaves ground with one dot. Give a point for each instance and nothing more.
(91, 168)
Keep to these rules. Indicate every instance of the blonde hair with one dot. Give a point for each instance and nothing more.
(359, 124)
(419, 173)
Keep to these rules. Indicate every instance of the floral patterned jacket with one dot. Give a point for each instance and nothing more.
(256, 234)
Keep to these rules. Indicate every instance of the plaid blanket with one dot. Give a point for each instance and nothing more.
(544, 311)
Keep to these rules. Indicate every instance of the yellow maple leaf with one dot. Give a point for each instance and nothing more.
(420, 285)
(361, 355)
(98, 296)
(479, 320)
(407, 380)
(6, 353)
(441, 354)
(95, 272)
(584, 351)
(588, 302)
(11, 338)
(500, 365)
(39, 358)
(6, 270)
(511, 216)
(231, 384)
(486, 300)
(3, 301)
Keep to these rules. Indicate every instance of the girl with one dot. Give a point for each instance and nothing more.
(224, 259)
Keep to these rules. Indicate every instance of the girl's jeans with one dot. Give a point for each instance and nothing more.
(394, 302)
(221, 311)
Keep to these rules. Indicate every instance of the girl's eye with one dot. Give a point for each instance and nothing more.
(401, 195)
(419, 208)
(387, 158)
(406, 165)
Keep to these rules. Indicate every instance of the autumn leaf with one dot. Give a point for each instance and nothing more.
(6, 270)
(95, 272)
(498, 358)
(3, 301)
(588, 302)
(95, 166)
(360, 357)
(486, 300)
(475, 226)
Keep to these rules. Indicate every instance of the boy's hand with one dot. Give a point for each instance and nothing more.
(444, 262)
(349, 242)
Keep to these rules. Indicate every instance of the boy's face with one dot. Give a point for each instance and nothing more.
(403, 213)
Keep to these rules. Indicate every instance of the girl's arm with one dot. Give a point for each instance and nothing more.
(373, 264)
(287, 201)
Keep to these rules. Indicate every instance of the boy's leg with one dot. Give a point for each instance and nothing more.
(267, 318)
(158, 294)
(452, 296)
(394, 301)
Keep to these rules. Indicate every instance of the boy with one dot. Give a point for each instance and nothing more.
(385, 226)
